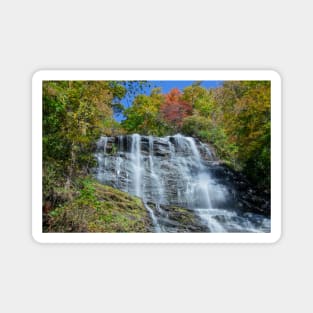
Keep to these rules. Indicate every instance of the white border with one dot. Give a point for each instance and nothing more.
(271, 237)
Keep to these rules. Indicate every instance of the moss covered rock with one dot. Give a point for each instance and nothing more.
(100, 208)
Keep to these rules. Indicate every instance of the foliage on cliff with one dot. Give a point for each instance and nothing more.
(75, 113)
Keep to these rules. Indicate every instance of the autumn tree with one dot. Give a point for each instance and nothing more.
(174, 109)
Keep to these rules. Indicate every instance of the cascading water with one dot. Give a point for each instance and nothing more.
(138, 173)
(170, 173)
(136, 163)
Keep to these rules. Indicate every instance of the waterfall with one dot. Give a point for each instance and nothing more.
(175, 172)
(136, 163)
(138, 173)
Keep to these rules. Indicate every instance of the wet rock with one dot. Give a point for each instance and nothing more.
(244, 194)
(178, 219)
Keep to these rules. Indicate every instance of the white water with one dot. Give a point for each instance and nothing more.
(171, 171)
(138, 173)
(136, 163)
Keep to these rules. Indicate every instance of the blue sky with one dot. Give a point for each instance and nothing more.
(166, 86)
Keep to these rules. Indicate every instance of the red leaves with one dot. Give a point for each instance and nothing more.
(175, 109)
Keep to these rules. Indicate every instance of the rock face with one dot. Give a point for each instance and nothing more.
(182, 184)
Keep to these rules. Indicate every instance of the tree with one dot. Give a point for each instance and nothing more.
(199, 97)
(174, 109)
(144, 115)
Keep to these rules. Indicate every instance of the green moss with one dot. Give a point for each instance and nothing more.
(182, 215)
(100, 208)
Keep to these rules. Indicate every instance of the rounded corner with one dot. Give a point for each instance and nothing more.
(37, 238)
(276, 238)
(37, 75)
(276, 75)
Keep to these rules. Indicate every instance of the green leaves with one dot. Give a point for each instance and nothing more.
(75, 113)
(144, 115)
(244, 116)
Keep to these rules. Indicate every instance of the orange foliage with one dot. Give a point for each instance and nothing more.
(175, 109)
